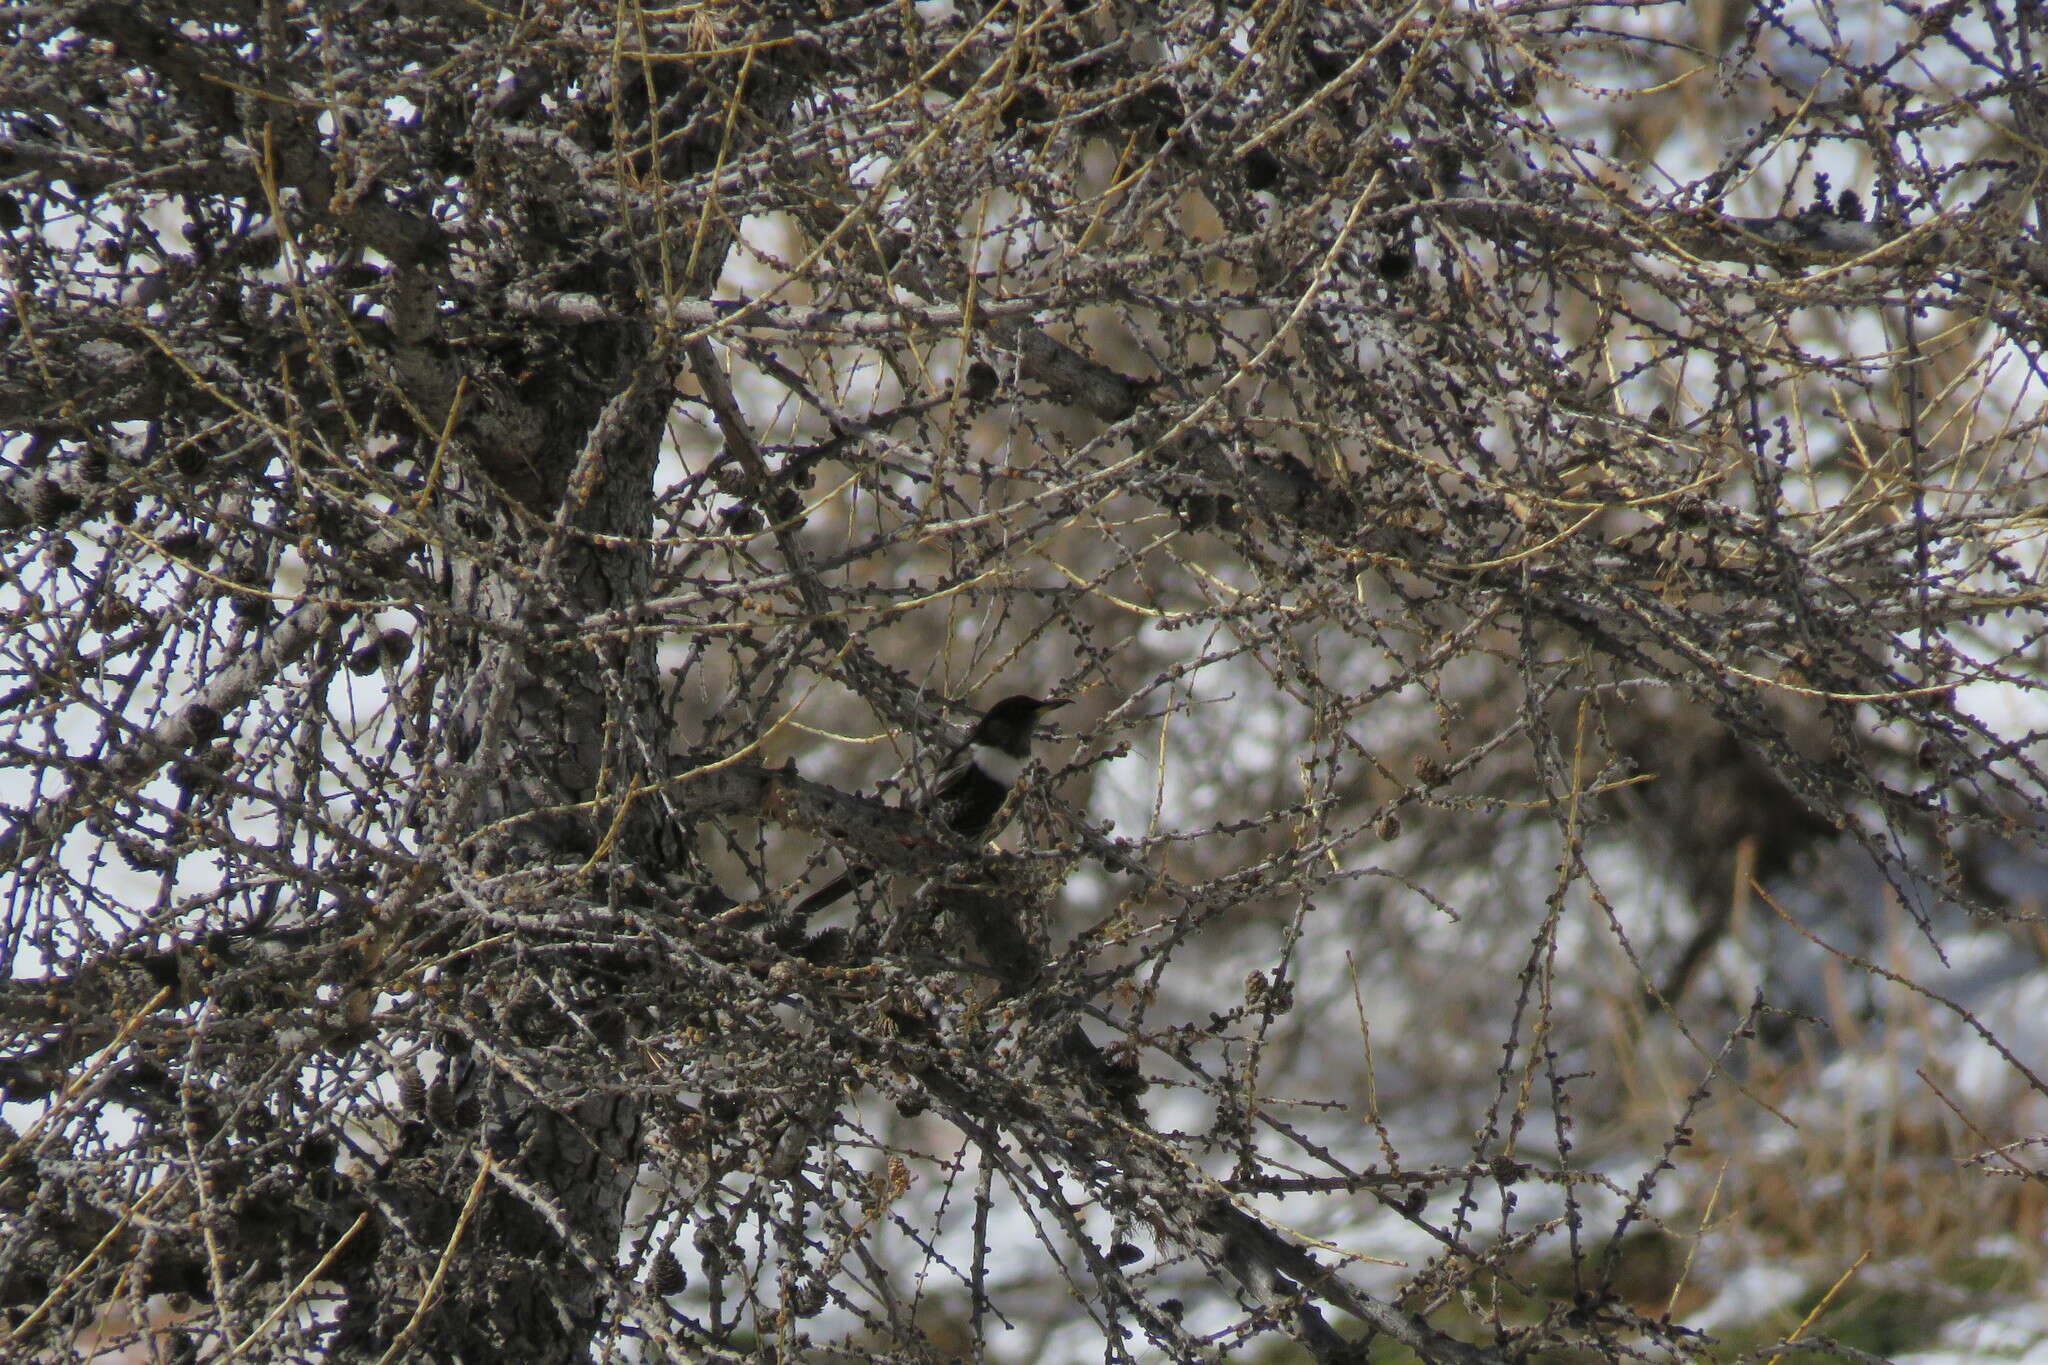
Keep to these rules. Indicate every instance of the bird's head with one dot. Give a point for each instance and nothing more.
(1008, 724)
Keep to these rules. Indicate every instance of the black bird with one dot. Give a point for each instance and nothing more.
(971, 790)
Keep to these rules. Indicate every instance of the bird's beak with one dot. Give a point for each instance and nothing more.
(1042, 716)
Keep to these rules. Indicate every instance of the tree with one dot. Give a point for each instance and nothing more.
(1516, 492)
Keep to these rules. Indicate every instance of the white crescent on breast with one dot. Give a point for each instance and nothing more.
(1004, 768)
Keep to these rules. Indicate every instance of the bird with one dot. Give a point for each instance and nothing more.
(971, 790)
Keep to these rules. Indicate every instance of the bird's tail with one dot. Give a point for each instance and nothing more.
(845, 884)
